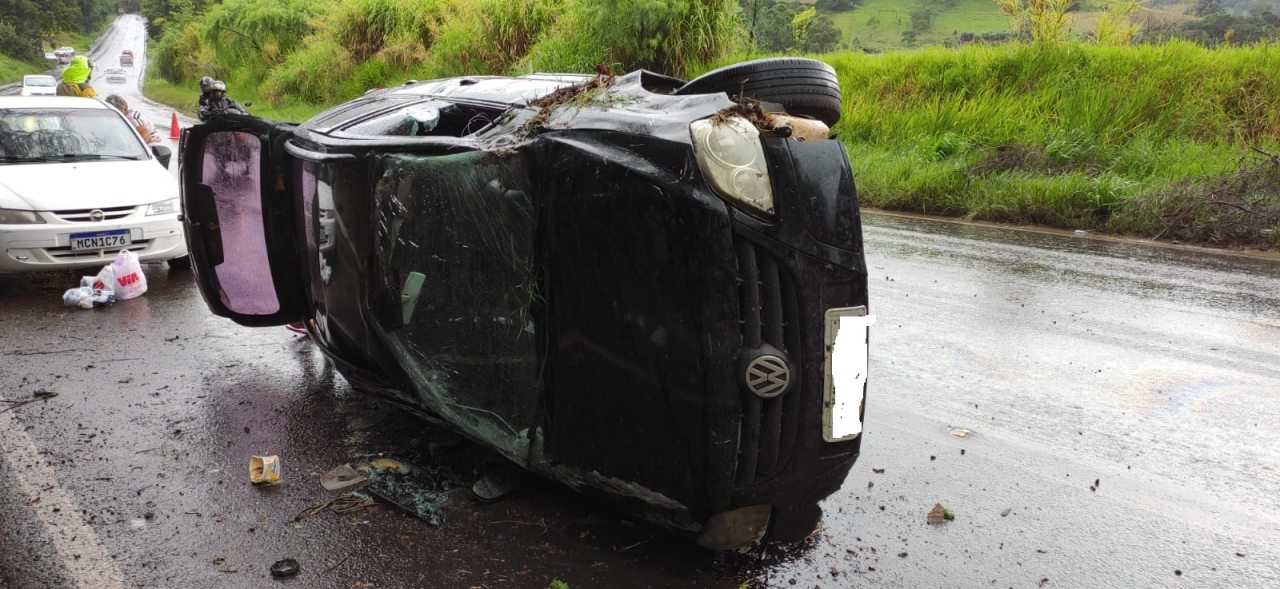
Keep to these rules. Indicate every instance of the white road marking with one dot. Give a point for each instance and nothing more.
(77, 547)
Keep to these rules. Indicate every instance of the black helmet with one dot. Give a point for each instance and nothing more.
(206, 81)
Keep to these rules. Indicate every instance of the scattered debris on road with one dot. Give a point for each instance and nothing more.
(341, 477)
(349, 502)
(960, 432)
(36, 396)
(500, 482)
(940, 515)
(285, 568)
(877, 469)
(417, 490)
(264, 470)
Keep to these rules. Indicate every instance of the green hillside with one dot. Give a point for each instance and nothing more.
(879, 24)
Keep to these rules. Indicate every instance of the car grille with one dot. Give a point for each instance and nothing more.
(770, 315)
(66, 254)
(83, 215)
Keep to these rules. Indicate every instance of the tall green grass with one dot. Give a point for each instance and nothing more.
(322, 52)
(1069, 135)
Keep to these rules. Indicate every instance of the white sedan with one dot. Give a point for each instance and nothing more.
(77, 185)
(38, 85)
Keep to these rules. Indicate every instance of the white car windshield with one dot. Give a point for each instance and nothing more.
(61, 135)
(39, 81)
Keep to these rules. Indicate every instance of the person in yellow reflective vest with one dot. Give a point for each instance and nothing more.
(75, 79)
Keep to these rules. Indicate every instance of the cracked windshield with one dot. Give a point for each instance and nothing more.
(576, 294)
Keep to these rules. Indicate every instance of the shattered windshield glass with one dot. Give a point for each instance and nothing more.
(458, 293)
(29, 134)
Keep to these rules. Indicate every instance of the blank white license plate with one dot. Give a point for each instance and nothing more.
(845, 372)
(100, 241)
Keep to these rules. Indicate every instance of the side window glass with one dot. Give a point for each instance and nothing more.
(232, 173)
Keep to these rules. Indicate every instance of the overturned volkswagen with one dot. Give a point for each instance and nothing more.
(647, 290)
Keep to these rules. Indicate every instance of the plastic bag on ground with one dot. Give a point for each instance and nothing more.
(130, 282)
(104, 280)
(86, 297)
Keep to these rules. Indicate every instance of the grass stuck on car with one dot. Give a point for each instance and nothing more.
(649, 290)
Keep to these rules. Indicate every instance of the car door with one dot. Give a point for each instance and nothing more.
(240, 220)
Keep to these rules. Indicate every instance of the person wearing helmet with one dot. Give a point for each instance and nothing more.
(218, 102)
(75, 78)
(144, 127)
(205, 83)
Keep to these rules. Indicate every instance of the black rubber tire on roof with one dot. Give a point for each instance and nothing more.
(805, 87)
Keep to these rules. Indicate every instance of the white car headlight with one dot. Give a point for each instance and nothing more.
(163, 207)
(12, 217)
(732, 159)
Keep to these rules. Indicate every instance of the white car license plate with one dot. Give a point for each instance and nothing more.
(100, 241)
(845, 372)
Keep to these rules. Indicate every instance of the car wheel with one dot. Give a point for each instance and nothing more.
(805, 87)
(180, 264)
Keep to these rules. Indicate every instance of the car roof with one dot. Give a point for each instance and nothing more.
(69, 102)
(38, 76)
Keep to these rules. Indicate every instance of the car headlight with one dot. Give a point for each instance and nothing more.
(12, 217)
(732, 159)
(163, 207)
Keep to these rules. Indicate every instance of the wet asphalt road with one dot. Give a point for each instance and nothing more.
(1150, 374)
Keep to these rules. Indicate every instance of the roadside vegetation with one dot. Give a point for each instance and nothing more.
(1148, 119)
(30, 28)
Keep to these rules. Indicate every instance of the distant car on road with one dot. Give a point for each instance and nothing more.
(64, 54)
(640, 287)
(115, 75)
(126, 58)
(38, 85)
(77, 185)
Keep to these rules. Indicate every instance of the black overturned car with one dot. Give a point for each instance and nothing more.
(648, 290)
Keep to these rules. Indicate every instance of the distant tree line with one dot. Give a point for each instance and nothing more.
(778, 27)
(25, 25)
(1219, 28)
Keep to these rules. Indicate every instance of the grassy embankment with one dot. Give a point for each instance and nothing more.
(1138, 140)
(12, 70)
(1146, 140)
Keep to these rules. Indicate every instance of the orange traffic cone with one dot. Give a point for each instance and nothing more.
(174, 129)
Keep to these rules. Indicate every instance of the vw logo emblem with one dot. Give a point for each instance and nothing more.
(768, 376)
(96, 215)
